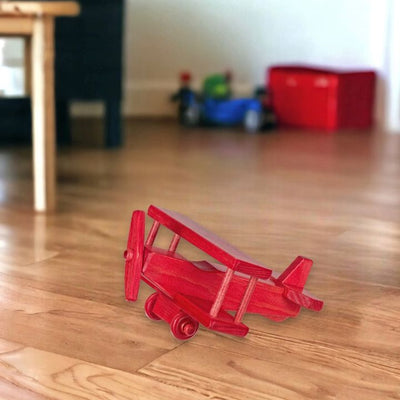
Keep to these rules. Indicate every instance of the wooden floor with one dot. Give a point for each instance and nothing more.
(66, 331)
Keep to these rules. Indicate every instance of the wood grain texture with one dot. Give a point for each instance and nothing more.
(43, 118)
(53, 8)
(66, 331)
(36, 21)
(59, 377)
(16, 26)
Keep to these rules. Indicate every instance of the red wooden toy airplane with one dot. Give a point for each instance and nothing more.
(193, 292)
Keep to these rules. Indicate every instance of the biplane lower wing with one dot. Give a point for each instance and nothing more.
(199, 309)
(202, 280)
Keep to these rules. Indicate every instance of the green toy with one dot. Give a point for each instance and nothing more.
(217, 86)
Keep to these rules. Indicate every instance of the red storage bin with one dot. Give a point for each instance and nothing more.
(320, 98)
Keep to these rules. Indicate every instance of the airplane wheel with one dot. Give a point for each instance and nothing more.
(149, 306)
(183, 327)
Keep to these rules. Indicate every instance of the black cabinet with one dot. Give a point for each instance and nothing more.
(88, 67)
(88, 63)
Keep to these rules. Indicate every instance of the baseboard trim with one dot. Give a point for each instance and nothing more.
(147, 99)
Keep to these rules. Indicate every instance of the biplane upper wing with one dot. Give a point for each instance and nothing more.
(209, 242)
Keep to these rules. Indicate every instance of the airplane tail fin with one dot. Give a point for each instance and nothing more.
(296, 273)
(294, 278)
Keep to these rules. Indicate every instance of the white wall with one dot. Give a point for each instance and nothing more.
(205, 36)
(390, 71)
(164, 37)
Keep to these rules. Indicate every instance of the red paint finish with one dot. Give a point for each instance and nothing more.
(134, 255)
(324, 99)
(208, 242)
(214, 295)
(246, 299)
(149, 307)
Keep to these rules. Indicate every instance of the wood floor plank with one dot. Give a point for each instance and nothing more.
(84, 329)
(67, 332)
(366, 325)
(280, 369)
(60, 377)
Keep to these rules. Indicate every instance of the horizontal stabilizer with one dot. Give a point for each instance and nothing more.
(296, 274)
(293, 280)
(304, 299)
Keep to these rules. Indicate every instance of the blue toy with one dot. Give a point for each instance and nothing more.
(233, 112)
(215, 106)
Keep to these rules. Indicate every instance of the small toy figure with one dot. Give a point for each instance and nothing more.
(185, 96)
(216, 295)
(263, 95)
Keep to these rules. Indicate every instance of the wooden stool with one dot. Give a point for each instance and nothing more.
(35, 22)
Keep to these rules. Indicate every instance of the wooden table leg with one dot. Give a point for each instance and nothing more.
(43, 116)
